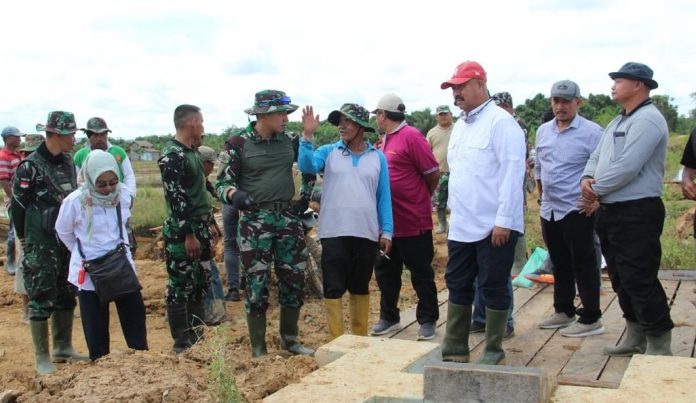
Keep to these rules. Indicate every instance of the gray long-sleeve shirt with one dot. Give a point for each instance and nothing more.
(629, 162)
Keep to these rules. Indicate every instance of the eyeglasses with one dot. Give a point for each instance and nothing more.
(284, 100)
(103, 184)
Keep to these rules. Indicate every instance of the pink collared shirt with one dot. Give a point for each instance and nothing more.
(409, 159)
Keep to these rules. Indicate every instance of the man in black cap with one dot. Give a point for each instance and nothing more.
(623, 179)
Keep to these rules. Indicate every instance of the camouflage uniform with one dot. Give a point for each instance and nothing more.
(189, 207)
(270, 232)
(40, 184)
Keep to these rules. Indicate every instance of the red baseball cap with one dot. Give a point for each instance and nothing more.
(465, 72)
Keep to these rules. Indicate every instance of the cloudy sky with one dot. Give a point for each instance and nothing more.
(133, 62)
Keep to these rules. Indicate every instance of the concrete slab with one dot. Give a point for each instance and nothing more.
(454, 382)
(364, 369)
(648, 379)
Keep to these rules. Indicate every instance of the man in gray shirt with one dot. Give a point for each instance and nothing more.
(563, 146)
(623, 179)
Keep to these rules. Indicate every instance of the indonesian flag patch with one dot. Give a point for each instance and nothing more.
(24, 184)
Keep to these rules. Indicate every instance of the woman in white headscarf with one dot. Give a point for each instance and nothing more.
(89, 214)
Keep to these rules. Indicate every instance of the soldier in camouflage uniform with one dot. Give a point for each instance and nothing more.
(257, 179)
(186, 232)
(41, 182)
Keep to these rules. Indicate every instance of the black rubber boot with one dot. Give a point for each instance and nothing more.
(496, 322)
(455, 346)
(39, 335)
(289, 332)
(196, 316)
(61, 327)
(257, 334)
(177, 315)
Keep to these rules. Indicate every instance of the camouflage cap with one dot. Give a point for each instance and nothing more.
(502, 98)
(354, 112)
(31, 142)
(271, 101)
(442, 109)
(96, 125)
(59, 122)
(207, 154)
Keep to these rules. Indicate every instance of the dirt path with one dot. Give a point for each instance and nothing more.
(158, 375)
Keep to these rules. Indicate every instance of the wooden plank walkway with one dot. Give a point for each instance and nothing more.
(574, 361)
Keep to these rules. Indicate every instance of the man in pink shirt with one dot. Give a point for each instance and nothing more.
(10, 156)
(413, 177)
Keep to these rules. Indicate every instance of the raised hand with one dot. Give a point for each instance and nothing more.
(310, 122)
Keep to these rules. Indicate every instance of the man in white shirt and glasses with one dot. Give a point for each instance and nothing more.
(486, 156)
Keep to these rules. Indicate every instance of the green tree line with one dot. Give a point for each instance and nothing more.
(596, 107)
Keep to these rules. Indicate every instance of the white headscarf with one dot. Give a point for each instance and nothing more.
(97, 163)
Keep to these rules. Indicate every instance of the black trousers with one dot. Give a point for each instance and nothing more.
(630, 236)
(416, 252)
(95, 322)
(571, 248)
(492, 265)
(346, 263)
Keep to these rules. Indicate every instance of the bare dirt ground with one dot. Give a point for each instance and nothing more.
(158, 375)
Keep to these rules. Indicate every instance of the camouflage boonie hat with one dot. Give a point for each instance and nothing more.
(354, 112)
(59, 122)
(270, 101)
(31, 142)
(502, 98)
(96, 125)
(207, 154)
(442, 109)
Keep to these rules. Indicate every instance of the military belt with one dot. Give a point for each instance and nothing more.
(278, 205)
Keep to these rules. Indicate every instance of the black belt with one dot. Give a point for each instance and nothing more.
(274, 205)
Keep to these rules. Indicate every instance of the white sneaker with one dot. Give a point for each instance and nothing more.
(578, 329)
(556, 321)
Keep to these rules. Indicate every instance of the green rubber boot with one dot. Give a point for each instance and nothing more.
(257, 334)
(39, 335)
(659, 345)
(634, 342)
(61, 328)
(496, 322)
(455, 346)
(289, 332)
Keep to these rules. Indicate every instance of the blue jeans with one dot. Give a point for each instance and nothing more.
(479, 315)
(11, 233)
(215, 291)
(492, 266)
(230, 218)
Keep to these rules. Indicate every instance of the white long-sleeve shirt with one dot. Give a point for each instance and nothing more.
(487, 166)
(71, 224)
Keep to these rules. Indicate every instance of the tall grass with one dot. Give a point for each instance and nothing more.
(222, 385)
(149, 209)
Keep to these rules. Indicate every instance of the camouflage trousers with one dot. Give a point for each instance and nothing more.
(46, 280)
(442, 192)
(268, 237)
(187, 279)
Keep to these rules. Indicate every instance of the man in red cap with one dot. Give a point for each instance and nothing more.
(486, 156)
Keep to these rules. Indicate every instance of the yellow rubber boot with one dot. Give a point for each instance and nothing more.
(334, 316)
(359, 311)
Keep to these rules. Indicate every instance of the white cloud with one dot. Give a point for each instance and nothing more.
(133, 62)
